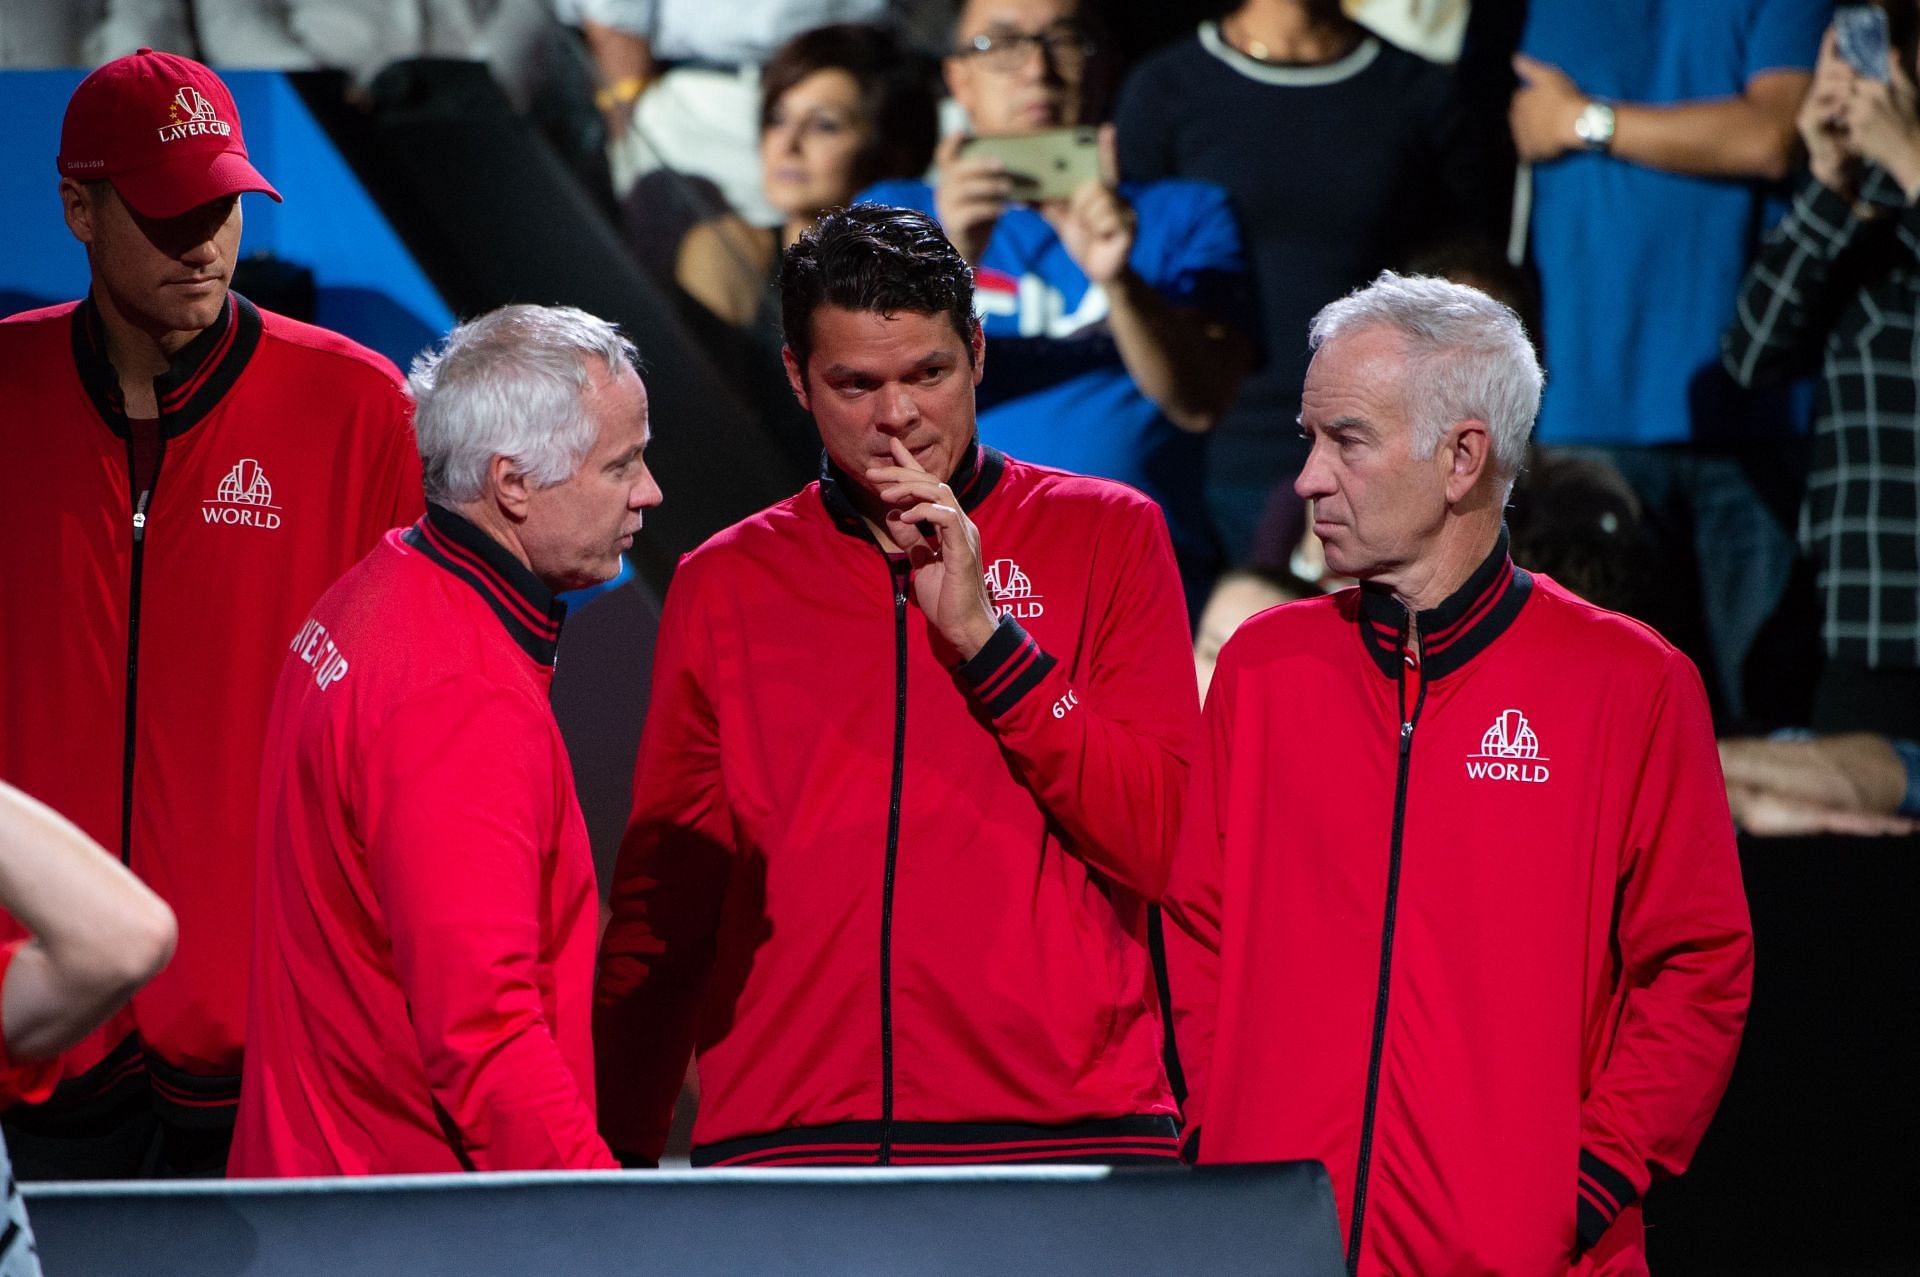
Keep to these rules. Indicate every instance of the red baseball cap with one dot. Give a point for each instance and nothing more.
(163, 130)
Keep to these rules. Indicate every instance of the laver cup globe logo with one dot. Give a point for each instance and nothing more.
(243, 499)
(192, 115)
(246, 484)
(1509, 751)
(1013, 593)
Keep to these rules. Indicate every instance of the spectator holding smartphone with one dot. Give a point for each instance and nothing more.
(1837, 286)
(1115, 314)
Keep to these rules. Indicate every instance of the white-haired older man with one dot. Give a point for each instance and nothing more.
(423, 964)
(1458, 909)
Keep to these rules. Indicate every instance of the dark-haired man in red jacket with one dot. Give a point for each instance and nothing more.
(910, 776)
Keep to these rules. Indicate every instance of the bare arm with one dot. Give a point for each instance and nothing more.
(624, 66)
(1187, 362)
(1751, 135)
(1845, 784)
(722, 264)
(617, 54)
(98, 932)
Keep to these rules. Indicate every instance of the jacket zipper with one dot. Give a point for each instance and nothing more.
(897, 570)
(1407, 723)
(141, 501)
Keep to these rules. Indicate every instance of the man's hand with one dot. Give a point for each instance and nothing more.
(1097, 225)
(1543, 110)
(969, 194)
(1768, 814)
(1097, 229)
(924, 519)
(1822, 122)
(1850, 783)
(1882, 127)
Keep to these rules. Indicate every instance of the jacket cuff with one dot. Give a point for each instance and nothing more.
(1011, 665)
(1603, 1193)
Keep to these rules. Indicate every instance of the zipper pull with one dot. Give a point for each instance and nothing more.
(140, 517)
(1406, 738)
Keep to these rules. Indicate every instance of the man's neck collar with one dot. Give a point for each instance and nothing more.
(528, 609)
(1453, 631)
(197, 375)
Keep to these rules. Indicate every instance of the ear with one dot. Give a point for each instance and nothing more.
(796, 377)
(1468, 448)
(978, 340)
(78, 208)
(511, 489)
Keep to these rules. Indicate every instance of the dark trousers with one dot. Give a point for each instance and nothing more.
(125, 1141)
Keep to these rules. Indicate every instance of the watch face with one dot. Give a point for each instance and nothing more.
(1594, 125)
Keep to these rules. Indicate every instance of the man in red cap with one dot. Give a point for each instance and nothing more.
(201, 470)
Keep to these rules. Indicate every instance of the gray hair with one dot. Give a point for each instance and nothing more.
(511, 383)
(1467, 354)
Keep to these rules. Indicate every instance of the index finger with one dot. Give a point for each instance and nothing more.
(904, 455)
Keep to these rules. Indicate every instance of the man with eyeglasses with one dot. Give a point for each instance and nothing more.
(1114, 314)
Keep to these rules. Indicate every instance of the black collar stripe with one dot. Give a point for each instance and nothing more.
(172, 398)
(972, 483)
(502, 593)
(1459, 628)
(529, 611)
(1448, 632)
(971, 473)
(541, 650)
(197, 378)
(1433, 647)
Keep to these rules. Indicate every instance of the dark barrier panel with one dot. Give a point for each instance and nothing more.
(1056, 1221)
(1808, 1167)
(600, 693)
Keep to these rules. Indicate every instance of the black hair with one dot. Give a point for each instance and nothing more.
(897, 94)
(1577, 520)
(873, 258)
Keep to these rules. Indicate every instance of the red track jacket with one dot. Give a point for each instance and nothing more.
(139, 649)
(1471, 932)
(424, 960)
(897, 905)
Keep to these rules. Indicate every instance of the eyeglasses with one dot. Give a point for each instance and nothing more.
(1066, 47)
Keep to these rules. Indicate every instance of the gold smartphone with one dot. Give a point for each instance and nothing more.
(1043, 166)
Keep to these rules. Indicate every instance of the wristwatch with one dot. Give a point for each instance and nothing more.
(1594, 126)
